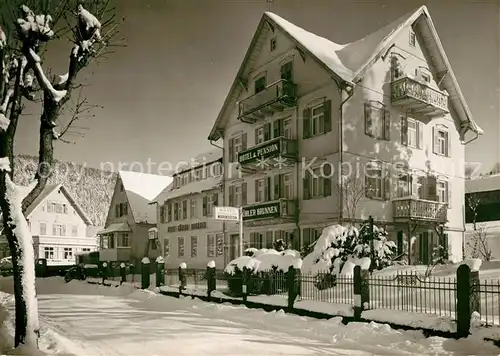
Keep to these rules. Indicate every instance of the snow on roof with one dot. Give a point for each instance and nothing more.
(47, 191)
(203, 158)
(349, 61)
(189, 189)
(324, 49)
(483, 184)
(141, 188)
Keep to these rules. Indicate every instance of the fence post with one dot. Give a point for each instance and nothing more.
(292, 280)
(104, 270)
(463, 300)
(211, 280)
(182, 277)
(123, 273)
(361, 290)
(244, 284)
(131, 268)
(160, 272)
(145, 273)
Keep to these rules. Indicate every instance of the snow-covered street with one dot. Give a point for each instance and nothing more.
(83, 319)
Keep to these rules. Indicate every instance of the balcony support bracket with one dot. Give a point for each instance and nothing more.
(441, 76)
(243, 83)
(301, 53)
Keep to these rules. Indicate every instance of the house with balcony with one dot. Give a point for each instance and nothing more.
(59, 226)
(185, 208)
(482, 217)
(318, 133)
(125, 237)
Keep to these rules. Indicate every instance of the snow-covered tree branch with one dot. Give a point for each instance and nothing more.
(24, 75)
(351, 189)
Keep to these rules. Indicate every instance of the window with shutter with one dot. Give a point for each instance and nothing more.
(267, 131)
(404, 129)
(449, 192)
(244, 194)
(306, 124)
(305, 185)
(431, 188)
(243, 142)
(231, 150)
(277, 187)
(377, 121)
(327, 117)
(268, 189)
(387, 125)
(441, 144)
(259, 135)
(374, 181)
(204, 206)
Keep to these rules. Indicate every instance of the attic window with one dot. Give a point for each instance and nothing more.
(272, 44)
(413, 39)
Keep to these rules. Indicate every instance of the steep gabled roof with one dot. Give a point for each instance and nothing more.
(140, 188)
(348, 62)
(47, 191)
(206, 158)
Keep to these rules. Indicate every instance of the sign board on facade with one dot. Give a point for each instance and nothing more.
(267, 150)
(262, 211)
(226, 213)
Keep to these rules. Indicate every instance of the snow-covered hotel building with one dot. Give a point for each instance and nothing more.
(388, 107)
(186, 227)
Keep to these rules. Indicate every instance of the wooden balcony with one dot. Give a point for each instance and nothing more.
(419, 210)
(276, 209)
(278, 152)
(274, 98)
(418, 97)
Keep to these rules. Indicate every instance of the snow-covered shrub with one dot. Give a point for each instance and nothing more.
(338, 244)
(280, 245)
(265, 267)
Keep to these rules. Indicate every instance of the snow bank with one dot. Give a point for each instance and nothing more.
(474, 264)
(4, 164)
(265, 260)
(145, 261)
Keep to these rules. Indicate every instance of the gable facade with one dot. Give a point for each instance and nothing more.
(396, 115)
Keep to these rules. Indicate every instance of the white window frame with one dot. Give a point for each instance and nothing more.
(48, 253)
(403, 185)
(260, 194)
(42, 233)
(442, 191)
(237, 146)
(181, 252)
(238, 195)
(374, 174)
(193, 208)
(125, 240)
(287, 128)
(318, 120)
(57, 229)
(287, 186)
(211, 245)
(443, 141)
(210, 205)
(260, 135)
(68, 253)
(412, 134)
(316, 187)
(412, 39)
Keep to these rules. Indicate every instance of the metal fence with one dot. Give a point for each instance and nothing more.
(413, 293)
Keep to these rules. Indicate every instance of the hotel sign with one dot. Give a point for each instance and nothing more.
(267, 150)
(262, 211)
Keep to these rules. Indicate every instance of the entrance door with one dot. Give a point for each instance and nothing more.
(234, 246)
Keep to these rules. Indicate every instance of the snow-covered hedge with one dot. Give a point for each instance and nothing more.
(339, 249)
(268, 270)
(264, 260)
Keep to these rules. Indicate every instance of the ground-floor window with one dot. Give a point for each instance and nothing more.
(68, 253)
(48, 253)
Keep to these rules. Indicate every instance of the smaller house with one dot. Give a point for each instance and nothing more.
(186, 226)
(125, 236)
(59, 226)
(482, 206)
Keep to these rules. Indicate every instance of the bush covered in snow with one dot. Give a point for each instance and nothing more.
(267, 270)
(340, 248)
(92, 188)
(280, 245)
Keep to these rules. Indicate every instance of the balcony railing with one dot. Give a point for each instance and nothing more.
(419, 97)
(275, 97)
(277, 152)
(418, 209)
(281, 208)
